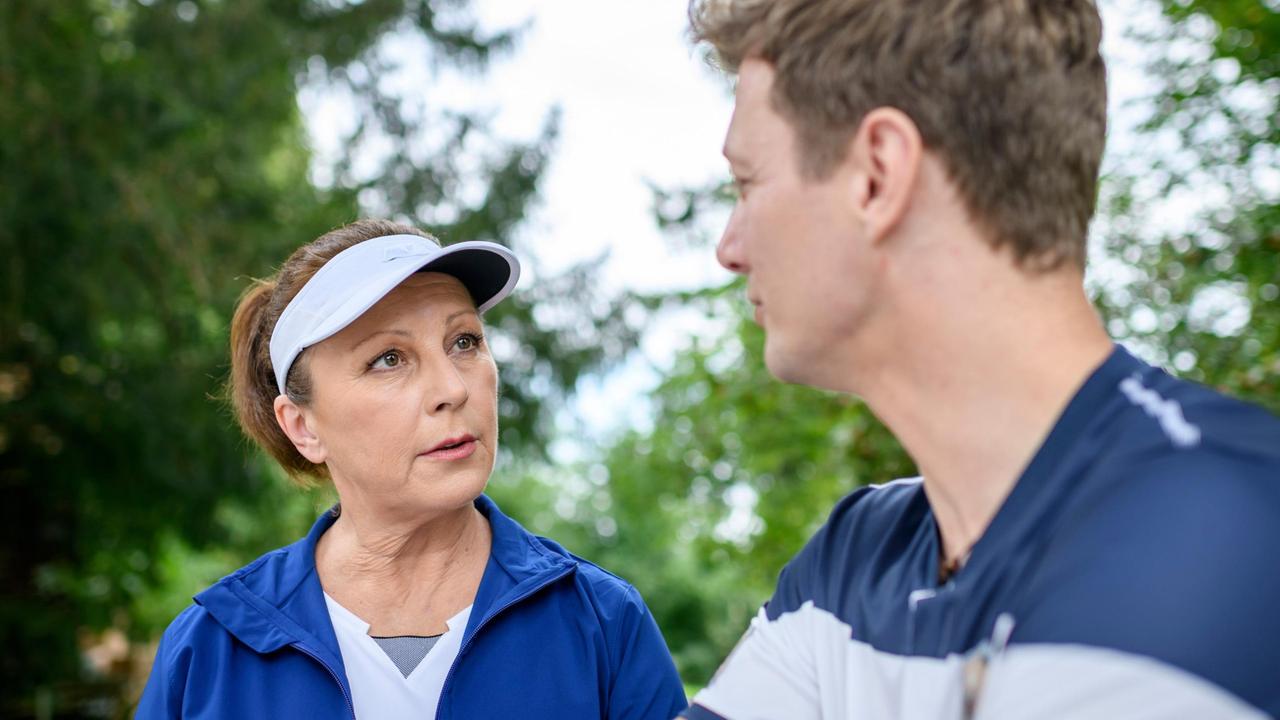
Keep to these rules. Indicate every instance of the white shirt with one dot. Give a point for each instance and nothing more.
(378, 690)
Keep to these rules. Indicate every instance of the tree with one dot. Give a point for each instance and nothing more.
(153, 159)
(738, 469)
(1200, 294)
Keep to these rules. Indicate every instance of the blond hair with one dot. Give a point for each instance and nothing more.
(1009, 94)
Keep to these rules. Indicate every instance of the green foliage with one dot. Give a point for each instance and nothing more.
(702, 510)
(140, 178)
(735, 475)
(1244, 30)
(1201, 295)
(154, 160)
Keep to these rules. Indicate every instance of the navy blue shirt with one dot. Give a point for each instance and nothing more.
(1133, 571)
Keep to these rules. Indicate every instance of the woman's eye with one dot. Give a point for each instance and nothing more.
(467, 342)
(386, 360)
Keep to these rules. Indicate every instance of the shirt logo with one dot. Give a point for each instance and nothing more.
(1166, 412)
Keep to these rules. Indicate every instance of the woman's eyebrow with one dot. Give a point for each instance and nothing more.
(457, 313)
(405, 333)
(376, 333)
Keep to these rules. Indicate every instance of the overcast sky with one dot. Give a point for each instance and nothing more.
(639, 106)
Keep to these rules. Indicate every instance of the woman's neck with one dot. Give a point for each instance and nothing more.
(404, 578)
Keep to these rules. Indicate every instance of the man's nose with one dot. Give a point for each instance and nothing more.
(729, 249)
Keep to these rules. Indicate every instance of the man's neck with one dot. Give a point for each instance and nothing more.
(972, 387)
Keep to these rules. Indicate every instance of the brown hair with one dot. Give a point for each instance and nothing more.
(252, 387)
(1010, 95)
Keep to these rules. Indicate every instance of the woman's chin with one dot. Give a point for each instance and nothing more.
(435, 491)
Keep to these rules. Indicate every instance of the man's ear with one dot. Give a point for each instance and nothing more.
(887, 150)
(294, 422)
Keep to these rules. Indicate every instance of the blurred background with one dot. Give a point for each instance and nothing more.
(155, 155)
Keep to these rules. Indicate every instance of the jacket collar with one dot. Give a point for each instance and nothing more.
(520, 564)
(277, 600)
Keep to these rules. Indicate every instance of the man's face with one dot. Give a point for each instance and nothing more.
(799, 241)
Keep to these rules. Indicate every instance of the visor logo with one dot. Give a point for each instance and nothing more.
(402, 251)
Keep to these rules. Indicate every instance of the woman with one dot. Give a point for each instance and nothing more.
(364, 362)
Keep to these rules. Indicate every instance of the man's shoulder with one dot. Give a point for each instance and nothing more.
(874, 521)
(872, 512)
(1164, 413)
(1161, 560)
(1170, 557)
(1178, 517)
(1177, 461)
(1190, 477)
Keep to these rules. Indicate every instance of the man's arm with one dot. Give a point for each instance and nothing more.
(770, 672)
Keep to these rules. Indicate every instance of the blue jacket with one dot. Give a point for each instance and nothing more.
(550, 636)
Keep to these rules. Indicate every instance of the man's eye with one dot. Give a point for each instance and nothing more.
(388, 359)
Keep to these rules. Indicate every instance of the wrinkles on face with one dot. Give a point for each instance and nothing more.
(412, 373)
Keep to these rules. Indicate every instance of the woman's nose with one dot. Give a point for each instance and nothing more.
(446, 388)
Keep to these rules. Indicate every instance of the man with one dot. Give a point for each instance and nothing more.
(1090, 537)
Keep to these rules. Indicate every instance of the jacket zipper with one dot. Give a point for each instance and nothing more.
(448, 678)
(351, 708)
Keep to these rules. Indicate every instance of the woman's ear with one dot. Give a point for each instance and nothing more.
(296, 425)
(888, 150)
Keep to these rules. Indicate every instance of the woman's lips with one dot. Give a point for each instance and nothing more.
(453, 449)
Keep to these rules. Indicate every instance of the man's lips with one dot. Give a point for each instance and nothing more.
(455, 448)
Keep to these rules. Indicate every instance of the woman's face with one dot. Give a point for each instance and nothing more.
(404, 402)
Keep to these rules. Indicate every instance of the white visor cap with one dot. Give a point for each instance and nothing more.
(358, 277)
